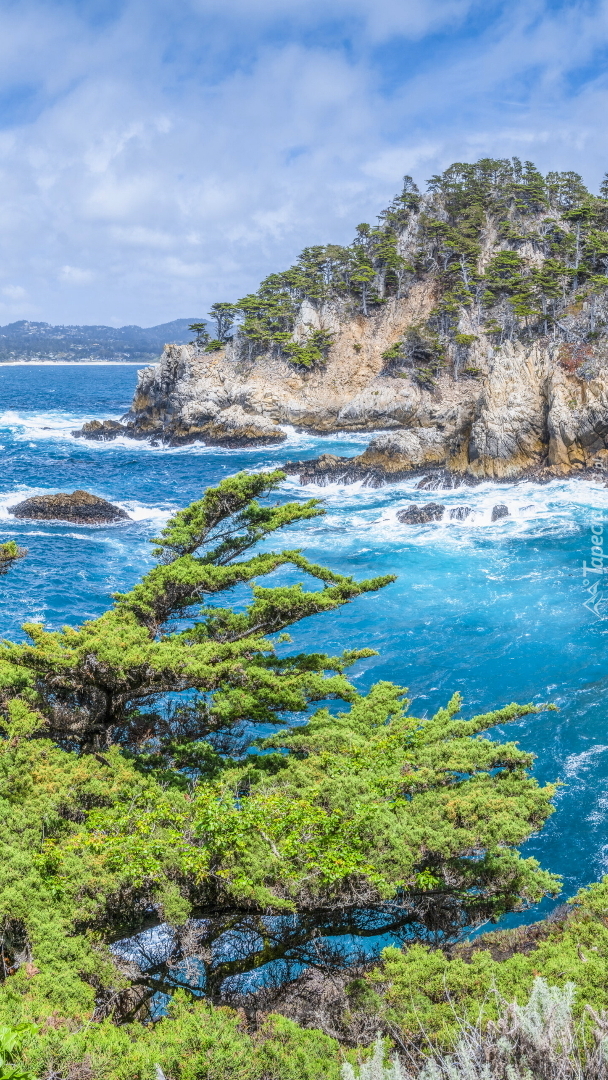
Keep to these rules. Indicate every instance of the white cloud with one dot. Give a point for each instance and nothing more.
(185, 151)
(400, 161)
(14, 292)
(75, 275)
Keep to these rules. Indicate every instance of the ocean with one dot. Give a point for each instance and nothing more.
(500, 611)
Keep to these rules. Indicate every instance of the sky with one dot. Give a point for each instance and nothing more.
(159, 155)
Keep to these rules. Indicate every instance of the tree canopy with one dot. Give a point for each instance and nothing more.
(549, 249)
(137, 792)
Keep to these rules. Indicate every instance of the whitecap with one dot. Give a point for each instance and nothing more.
(53, 424)
(576, 765)
(560, 508)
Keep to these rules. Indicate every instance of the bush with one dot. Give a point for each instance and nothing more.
(194, 1041)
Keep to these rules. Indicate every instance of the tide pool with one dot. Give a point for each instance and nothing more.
(493, 610)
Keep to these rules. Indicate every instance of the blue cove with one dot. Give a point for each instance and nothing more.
(494, 610)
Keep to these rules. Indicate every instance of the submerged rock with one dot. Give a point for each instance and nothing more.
(500, 511)
(80, 506)
(421, 515)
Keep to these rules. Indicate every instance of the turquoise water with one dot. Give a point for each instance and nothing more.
(492, 610)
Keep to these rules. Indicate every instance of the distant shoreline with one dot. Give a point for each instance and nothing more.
(72, 363)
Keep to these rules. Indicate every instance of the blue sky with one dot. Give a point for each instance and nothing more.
(157, 155)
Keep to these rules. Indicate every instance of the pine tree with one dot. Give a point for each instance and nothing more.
(134, 791)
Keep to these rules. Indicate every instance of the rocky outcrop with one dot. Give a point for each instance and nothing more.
(421, 515)
(499, 511)
(101, 430)
(457, 354)
(522, 414)
(232, 427)
(80, 507)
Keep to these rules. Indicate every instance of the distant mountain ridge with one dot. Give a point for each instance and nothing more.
(24, 340)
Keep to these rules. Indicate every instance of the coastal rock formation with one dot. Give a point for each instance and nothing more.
(500, 511)
(80, 507)
(475, 342)
(421, 515)
(231, 427)
(101, 430)
(524, 414)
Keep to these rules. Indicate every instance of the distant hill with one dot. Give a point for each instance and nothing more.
(40, 341)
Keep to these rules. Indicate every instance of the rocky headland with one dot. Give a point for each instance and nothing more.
(469, 329)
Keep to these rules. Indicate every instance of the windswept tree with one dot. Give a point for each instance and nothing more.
(202, 334)
(104, 682)
(10, 553)
(223, 315)
(136, 791)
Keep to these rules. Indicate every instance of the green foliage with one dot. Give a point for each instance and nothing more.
(313, 351)
(120, 808)
(10, 553)
(513, 293)
(363, 275)
(12, 1038)
(223, 315)
(193, 1041)
(202, 334)
(421, 350)
(425, 995)
(102, 682)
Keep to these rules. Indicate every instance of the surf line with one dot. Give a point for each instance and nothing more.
(597, 601)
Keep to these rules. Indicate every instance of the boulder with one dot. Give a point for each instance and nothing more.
(421, 515)
(460, 513)
(402, 451)
(499, 511)
(101, 430)
(234, 427)
(80, 507)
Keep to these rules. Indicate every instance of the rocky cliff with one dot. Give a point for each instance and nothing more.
(470, 328)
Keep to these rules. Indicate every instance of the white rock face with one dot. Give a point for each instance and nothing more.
(522, 411)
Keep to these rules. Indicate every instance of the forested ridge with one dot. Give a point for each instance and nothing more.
(511, 253)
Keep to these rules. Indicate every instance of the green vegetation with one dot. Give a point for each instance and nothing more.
(196, 819)
(134, 795)
(420, 352)
(202, 334)
(426, 993)
(12, 1038)
(362, 275)
(10, 552)
(192, 1042)
(510, 253)
(314, 350)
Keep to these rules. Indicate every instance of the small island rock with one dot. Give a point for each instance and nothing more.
(80, 507)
